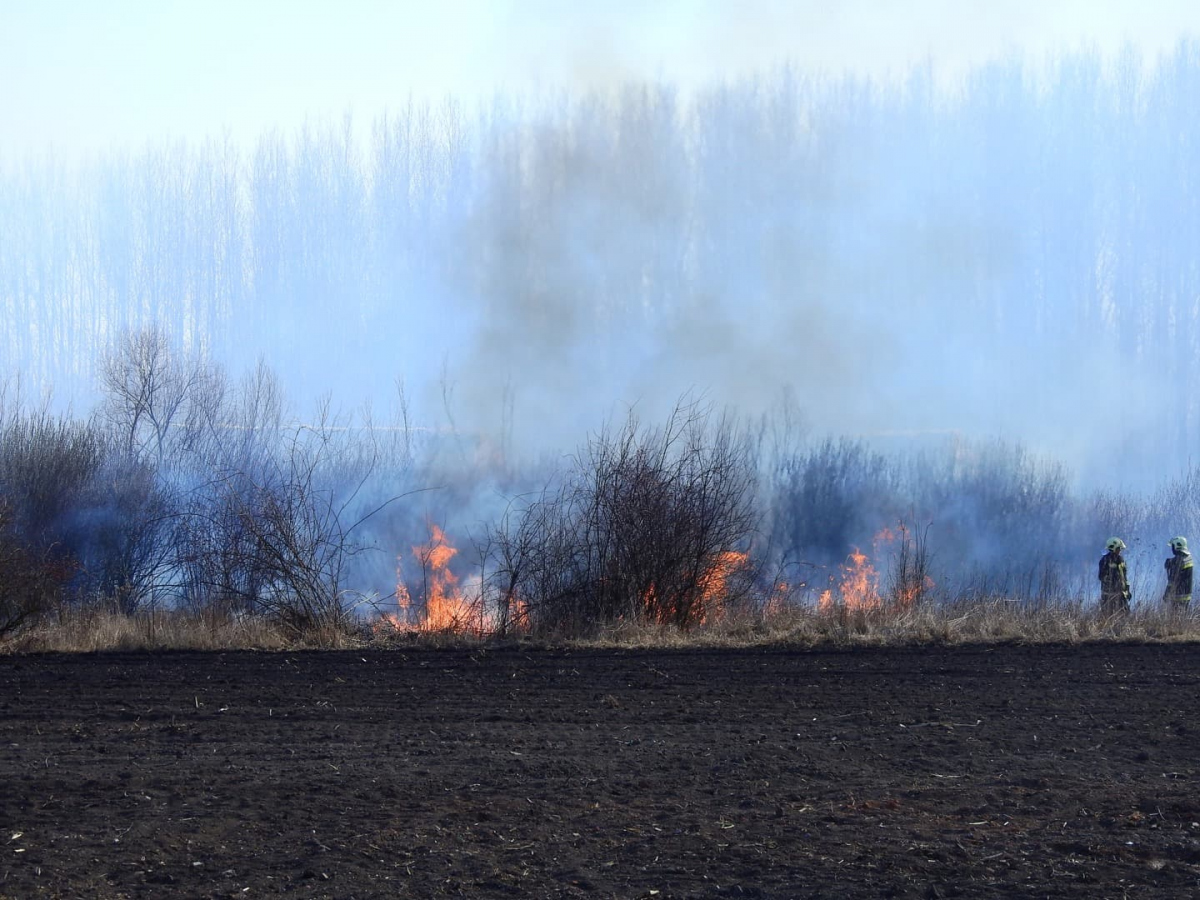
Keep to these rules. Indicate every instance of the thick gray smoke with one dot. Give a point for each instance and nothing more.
(990, 263)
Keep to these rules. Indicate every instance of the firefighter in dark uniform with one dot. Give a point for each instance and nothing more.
(1179, 575)
(1114, 580)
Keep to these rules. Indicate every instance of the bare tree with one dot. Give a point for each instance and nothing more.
(159, 401)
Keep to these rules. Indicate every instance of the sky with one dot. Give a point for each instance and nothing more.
(81, 76)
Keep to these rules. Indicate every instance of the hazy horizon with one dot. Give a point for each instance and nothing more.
(94, 78)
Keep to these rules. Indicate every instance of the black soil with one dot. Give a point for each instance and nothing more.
(961, 772)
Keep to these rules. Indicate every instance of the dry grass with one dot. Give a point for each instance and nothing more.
(88, 631)
(993, 621)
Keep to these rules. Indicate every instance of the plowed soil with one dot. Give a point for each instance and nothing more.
(942, 772)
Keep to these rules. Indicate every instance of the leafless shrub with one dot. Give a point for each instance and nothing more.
(46, 465)
(825, 498)
(72, 494)
(31, 582)
(910, 579)
(263, 513)
(159, 402)
(276, 536)
(643, 527)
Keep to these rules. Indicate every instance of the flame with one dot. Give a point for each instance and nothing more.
(449, 607)
(907, 593)
(858, 587)
(908, 596)
(445, 608)
(713, 582)
(711, 591)
(777, 602)
(519, 613)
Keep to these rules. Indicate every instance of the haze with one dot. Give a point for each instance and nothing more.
(82, 77)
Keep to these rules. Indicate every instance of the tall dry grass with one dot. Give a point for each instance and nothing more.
(990, 621)
(93, 630)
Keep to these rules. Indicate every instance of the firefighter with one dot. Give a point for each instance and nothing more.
(1114, 580)
(1178, 593)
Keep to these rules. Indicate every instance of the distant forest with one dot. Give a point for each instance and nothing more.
(1047, 213)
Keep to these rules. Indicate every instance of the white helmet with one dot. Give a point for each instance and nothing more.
(1115, 545)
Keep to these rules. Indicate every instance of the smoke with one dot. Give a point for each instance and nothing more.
(896, 262)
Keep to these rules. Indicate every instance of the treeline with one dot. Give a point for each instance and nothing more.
(1034, 214)
(189, 489)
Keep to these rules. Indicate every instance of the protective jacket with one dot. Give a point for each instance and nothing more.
(1179, 578)
(1114, 582)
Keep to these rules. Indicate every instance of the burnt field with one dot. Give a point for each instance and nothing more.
(934, 772)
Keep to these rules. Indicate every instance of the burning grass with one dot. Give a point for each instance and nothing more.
(857, 608)
(434, 606)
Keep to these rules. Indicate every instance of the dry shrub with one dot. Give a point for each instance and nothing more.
(29, 582)
(640, 529)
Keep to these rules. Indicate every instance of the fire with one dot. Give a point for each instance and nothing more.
(447, 608)
(453, 607)
(403, 601)
(449, 605)
(777, 602)
(908, 596)
(908, 582)
(713, 582)
(711, 592)
(858, 587)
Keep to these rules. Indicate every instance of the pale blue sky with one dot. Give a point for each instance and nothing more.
(83, 75)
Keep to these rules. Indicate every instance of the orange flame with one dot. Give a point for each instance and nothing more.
(403, 601)
(711, 590)
(777, 602)
(859, 584)
(714, 581)
(448, 607)
(858, 587)
(400, 620)
(445, 608)
(907, 596)
(906, 593)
